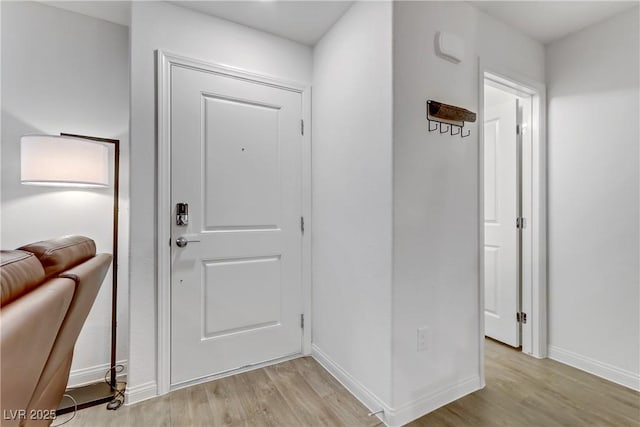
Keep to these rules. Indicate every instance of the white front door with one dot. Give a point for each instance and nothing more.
(501, 201)
(236, 284)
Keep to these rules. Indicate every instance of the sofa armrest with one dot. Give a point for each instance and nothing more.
(89, 276)
(29, 327)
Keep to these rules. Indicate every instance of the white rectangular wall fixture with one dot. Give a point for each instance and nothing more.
(449, 47)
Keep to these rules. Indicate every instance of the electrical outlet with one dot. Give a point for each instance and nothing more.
(423, 338)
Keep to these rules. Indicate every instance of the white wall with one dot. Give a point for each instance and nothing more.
(436, 218)
(352, 204)
(594, 279)
(505, 50)
(65, 72)
(158, 25)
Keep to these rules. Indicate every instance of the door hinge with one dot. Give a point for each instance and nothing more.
(302, 224)
(517, 129)
(521, 317)
(302, 321)
(302, 127)
(520, 223)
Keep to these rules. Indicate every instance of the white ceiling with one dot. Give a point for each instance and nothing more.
(547, 21)
(301, 21)
(307, 21)
(118, 12)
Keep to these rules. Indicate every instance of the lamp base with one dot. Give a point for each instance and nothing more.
(86, 396)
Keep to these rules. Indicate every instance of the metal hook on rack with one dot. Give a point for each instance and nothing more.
(445, 117)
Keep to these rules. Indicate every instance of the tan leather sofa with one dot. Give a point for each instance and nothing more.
(48, 289)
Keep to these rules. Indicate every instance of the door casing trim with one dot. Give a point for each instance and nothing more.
(534, 240)
(164, 61)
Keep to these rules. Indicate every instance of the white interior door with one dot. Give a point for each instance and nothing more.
(501, 202)
(236, 285)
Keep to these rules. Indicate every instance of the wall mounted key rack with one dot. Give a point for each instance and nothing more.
(446, 118)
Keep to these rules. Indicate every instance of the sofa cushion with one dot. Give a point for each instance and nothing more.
(58, 255)
(20, 272)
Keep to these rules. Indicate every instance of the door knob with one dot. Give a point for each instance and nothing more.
(182, 241)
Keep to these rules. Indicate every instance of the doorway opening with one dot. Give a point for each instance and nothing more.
(507, 116)
(513, 219)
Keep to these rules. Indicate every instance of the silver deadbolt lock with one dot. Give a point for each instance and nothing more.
(182, 214)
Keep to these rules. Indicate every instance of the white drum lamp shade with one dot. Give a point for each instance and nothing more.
(63, 161)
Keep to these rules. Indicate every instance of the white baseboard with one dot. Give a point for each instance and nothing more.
(140, 392)
(233, 372)
(406, 412)
(92, 374)
(604, 370)
(359, 391)
(413, 410)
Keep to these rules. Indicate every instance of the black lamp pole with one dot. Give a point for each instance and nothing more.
(114, 271)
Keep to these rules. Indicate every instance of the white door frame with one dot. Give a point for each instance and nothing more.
(164, 62)
(534, 236)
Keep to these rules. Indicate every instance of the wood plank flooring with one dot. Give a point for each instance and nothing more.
(521, 391)
(524, 391)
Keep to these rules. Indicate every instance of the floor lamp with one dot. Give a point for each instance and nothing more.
(79, 161)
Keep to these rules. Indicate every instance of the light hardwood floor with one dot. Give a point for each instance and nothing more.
(521, 391)
(524, 391)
